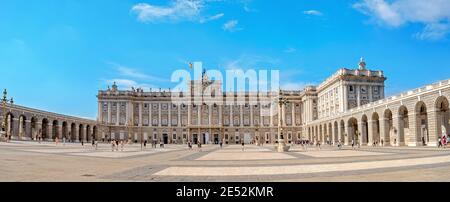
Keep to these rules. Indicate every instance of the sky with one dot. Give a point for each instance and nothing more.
(56, 54)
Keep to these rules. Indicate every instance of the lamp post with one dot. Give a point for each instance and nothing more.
(281, 147)
(5, 117)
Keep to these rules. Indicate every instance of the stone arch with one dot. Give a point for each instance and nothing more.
(336, 132)
(402, 126)
(43, 133)
(9, 125)
(80, 132)
(88, 136)
(22, 127)
(73, 132)
(375, 129)
(421, 118)
(442, 116)
(95, 133)
(387, 127)
(65, 130)
(352, 128)
(55, 130)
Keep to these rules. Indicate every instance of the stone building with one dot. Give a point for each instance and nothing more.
(139, 115)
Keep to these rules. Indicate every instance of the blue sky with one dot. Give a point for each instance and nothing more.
(56, 54)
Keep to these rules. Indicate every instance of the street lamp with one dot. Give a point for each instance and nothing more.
(5, 117)
(281, 147)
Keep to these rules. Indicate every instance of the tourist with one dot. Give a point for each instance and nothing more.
(382, 142)
(122, 143)
(161, 144)
(423, 141)
(56, 141)
(444, 141)
(112, 145)
(145, 144)
(82, 143)
(243, 144)
(353, 144)
(221, 144)
(199, 144)
(64, 141)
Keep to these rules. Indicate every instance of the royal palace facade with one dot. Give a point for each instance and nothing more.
(349, 106)
(140, 115)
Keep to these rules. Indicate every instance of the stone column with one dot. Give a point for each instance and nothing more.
(434, 130)
(77, 133)
(370, 130)
(60, 130)
(413, 139)
(399, 130)
(28, 135)
(340, 135)
(14, 128)
(347, 130)
(50, 132)
(362, 131)
(384, 131)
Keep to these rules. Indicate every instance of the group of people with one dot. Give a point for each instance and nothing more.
(116, 143)
(443, 141)
(199, 145)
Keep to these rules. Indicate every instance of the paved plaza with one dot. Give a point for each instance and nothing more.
(32, 161)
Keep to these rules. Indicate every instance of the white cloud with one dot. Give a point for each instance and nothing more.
(433, 14)
(211, 18)
(231, 26)
(290, 50)
(247, 61)
(313, 12)
(177, 10)
(129, 72)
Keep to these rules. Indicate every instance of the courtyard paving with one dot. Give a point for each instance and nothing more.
(32, 161)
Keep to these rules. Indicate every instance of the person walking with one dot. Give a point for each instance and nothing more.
(122, 143)
(64, 141)
(145, 144)
(112, 145)
(221, 144)
(56, 141)
(243, 144)
(353, 144)
(199, 146)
